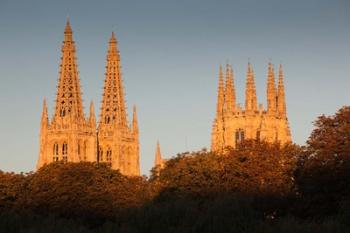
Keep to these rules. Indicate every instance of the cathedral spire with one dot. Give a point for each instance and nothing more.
(271, 90)
(113, 103)
(281, 101)
(250, 92)
(68, 99)
(135, 126)
(221, 94)
(158, 161)
(230, 95)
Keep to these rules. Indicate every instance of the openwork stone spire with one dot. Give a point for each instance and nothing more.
(113, 104)
(250, 92)
(271, 90)
(230, 93)
(68, 99)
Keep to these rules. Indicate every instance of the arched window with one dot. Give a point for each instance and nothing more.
(239, 135)
(55, 152)
(79, 148)
(84, 150)
(107, 119)
(109, 156)
(62, 112)
(258, 135)
(65, 152)
(100, 154)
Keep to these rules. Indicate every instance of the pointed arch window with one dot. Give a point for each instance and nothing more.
(55, 152)
(62, 112)
(109, 156)
(239, 135)
(84, 151)
(100, 155)
(65, 152)
(107, 119)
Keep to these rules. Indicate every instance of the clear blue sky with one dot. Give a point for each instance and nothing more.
(170, 54)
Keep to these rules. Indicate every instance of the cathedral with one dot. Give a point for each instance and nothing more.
(70, 136)
(233, 124)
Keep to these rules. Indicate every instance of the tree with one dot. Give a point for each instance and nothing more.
(84, 190)
(253, 167)
(323, 176)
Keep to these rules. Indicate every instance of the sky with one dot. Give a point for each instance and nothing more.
(170, 54)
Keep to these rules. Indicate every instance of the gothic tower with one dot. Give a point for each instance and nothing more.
(233, 124)
(118, 141)
(69, 136)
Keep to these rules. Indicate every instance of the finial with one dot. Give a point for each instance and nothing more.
(113, 38)
(68, 28)
(220, 73)
(92, 105)
(44, 113)
(280, 70)
(134, 118)
(250, 68)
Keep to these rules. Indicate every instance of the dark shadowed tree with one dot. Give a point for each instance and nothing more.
(323, 176)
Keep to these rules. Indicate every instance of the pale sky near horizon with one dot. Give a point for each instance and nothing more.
(170, 53)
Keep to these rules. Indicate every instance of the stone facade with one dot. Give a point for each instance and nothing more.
(72, 137)
(233, 124)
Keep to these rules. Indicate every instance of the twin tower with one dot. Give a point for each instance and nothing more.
(70, 136)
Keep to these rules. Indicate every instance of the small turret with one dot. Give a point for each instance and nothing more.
(250, 92)
(271, 90)
(158, 161)
(135, 126)
(44, 118)
(281, 101)
(44, 124)
(92, 117)
(221, 94)
(230, 95)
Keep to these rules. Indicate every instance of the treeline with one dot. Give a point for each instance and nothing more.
(256, 187)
